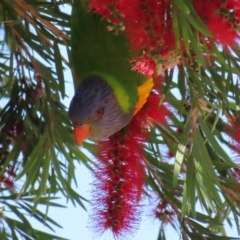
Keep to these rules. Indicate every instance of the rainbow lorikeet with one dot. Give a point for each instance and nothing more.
(110, 93)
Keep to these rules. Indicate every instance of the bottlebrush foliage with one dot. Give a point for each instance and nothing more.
(190, 160)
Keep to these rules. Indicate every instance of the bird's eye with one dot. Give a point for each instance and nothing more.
(99, 112)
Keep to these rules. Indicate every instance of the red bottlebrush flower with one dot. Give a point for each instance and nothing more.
(218, 20)
(232, 4)
(156, 112)
(8, 182)
(144, 65)
(217, 26)
(119, 177)
(164, 212)
(149, 29)
(213, 7)
(148, 23)
(102, 7)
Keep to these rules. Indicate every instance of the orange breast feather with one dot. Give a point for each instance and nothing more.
(143, 93)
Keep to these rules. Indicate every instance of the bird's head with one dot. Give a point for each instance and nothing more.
(95, 112)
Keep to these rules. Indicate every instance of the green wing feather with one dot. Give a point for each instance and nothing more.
(97, 51)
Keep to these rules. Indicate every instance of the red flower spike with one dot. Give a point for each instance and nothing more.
(160, 115)
(8, 182)
(144, 65)
(217, 26)
(120, 174)
(149, 29)
(164, 212)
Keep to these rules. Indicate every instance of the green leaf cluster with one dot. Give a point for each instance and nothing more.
(36, 136)
(36, 139)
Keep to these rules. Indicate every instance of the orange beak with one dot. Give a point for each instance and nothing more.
(81, 133)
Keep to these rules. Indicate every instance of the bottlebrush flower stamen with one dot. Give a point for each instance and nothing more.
(144, 65)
